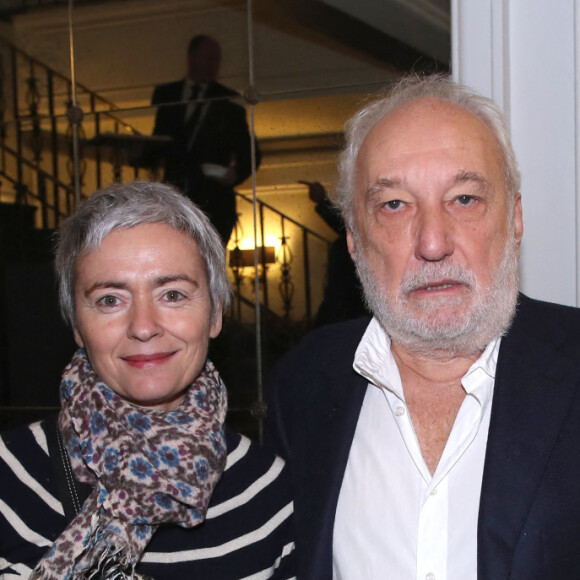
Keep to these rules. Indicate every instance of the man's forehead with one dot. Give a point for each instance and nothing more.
(415, 114)
(422, 122)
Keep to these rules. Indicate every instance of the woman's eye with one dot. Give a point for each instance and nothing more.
(108, 300)
(173, 296)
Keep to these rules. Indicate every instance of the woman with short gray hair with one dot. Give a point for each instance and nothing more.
(138, 477)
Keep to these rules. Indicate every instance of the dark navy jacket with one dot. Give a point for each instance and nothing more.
(529, 518)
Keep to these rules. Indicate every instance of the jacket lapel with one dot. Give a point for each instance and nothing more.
(331, 398)
(335, 419)
(533, 391)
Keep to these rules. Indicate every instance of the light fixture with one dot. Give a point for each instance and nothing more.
(245, 258)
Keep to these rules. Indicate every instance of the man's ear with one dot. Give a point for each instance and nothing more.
(350, 244)
(518, 220)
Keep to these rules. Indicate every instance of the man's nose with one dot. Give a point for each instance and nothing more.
(143, 323)
(434, 238)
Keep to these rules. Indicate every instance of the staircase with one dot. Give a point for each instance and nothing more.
(37, 192)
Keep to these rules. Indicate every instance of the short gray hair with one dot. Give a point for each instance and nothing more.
(128, 205)
(411, 88)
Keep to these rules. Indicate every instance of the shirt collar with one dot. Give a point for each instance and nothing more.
(188, 84)
(375, 362)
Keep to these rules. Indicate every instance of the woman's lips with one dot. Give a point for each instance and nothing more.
(147, 360)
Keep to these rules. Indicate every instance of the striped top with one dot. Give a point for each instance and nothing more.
(247, 533)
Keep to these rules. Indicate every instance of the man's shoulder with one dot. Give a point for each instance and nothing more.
(543, 317)
(168, 92)
(545, 324)
(218, 90)
(332, 344)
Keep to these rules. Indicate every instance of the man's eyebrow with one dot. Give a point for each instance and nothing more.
(381, 184)
(472, 177)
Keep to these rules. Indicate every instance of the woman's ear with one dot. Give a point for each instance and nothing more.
(216, 325)
(78, 338)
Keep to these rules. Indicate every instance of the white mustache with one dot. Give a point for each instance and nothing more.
(433, 274)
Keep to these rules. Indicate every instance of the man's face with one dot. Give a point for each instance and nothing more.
(435, 235)
(203, 63)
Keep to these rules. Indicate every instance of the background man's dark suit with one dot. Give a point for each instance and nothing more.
(529, 520)
(221, 137)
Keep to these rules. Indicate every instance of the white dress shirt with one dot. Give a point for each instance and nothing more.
(395, 521)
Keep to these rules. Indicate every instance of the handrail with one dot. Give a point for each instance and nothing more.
(54, 73)
(31, 149)
(286, 217)
(35, 167)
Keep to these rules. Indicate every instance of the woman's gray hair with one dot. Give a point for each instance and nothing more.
(409, 89)
(129, 205)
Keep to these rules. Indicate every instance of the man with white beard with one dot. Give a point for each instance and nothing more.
(440, 440)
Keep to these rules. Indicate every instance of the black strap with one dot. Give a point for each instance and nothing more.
(72, 493)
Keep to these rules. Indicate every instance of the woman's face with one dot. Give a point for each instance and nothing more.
(143, 313)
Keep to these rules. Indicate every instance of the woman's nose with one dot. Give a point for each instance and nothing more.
(143, 323)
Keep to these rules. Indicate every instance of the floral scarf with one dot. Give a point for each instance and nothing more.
(148, 467)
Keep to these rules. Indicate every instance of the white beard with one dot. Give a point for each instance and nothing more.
(427, 328)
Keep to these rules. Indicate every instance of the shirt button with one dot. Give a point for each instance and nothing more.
(430, 576)
(434, 491)
(399, 411)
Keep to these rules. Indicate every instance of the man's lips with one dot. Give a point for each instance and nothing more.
(144, 360)
(439, 286)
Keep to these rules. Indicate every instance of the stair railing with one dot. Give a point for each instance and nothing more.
(36, 162)
(36, 134)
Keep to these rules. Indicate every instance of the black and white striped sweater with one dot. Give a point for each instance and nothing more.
(248, 532)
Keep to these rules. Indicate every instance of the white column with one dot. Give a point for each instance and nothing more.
(526, 56)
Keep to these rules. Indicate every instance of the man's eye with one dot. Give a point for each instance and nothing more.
(108, 300)
(465, 199)
(394, 204)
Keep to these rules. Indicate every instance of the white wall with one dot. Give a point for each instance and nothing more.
(526, 55)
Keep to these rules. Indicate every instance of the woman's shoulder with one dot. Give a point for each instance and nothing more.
(248, 452)
(251, 470)
(32, 515)
(25, 457)
(248, 527)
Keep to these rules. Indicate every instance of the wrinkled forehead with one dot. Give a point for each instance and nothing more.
(425, 125)
(427, 119)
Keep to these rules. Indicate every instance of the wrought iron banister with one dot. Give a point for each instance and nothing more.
(93, 97)
(36, 135)
(307, 230)
(293, 260)
(36, 157)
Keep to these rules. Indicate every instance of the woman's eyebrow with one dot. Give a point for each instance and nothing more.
(105, 284)
(170, 278)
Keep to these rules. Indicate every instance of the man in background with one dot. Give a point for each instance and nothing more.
(211, 149)
(342, 299)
